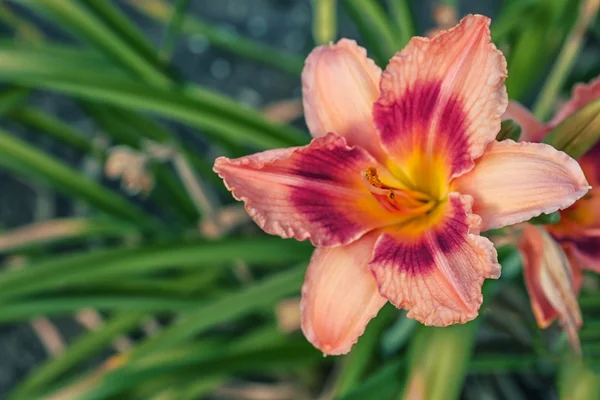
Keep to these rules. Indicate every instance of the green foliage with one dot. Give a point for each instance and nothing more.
(213, 287)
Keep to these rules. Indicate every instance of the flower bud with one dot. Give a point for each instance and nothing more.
(579, 132)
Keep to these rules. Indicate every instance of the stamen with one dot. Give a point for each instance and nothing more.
(395, 199)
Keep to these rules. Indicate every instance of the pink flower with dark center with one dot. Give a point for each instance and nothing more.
(402, 175)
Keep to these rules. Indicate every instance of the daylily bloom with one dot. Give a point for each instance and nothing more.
(402, 175)
(554, 281)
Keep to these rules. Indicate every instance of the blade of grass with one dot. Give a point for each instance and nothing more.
(169, 192)
(224, 119)
(122, 25)
(62, 230)
(83, 24)
(259, 360)
(356, 363)
(54, 306)
(23, 28)
(39, 121)
(11, 98)
(78, 351)
(403, 21)
(157, 132)
(93, 342)
(160, 11)
(23, 158)
(382, 384)
(259, 295)
(173, 29)
(374, 26)
(81, 268)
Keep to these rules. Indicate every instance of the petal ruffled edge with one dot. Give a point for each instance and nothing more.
(438, 275)
(313, 192)
(339, 86)
(551, 283)
(513, 182)
(443, 99)
(339, 296)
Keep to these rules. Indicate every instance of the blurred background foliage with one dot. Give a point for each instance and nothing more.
(127, 270)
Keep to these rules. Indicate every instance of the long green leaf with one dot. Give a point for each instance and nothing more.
(77, 352)
(375, 27)
(67, 305)
(259, 295)
(224, 119)
(81, 268)
(128, 32)
(356, 363)
(23, 158)
(79, 21)
(161, 11)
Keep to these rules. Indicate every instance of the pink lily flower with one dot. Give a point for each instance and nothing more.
(553, 258)
(402, 175)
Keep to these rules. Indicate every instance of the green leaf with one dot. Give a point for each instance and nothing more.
(11, 98)
(55, 306)
(120, 24)
(509, 129)
(509, 18)
(383, 384)
(370, 18)
(42, 122)
(25, 159)
(71, 230)
(207, 362)
(85, 267)
(403, 22)
(356, 363)
(259, 295)
(579, 132)
(173, 29)
(77, 352)
(81, 23)
(224, 119)
(546, 219)
(227, 40)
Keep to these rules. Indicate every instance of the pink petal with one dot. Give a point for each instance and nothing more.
(437, 274)
(550, 282)
(532, 130)
(441, 99)
(313, 192)
(581, 96)
(514, 182)
(339, 86)
(584, 251)
(339, 296)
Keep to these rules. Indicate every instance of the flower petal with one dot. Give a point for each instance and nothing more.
(437, 275)
(339, 86)
(550, 282)
(313, 192)
(581, 96)
(441, 99)
(514, 182)
(339, 296)
(532, 130)
(584, 251)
